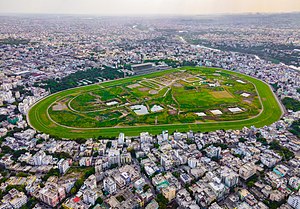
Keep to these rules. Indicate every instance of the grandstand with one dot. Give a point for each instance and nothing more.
(144, 68)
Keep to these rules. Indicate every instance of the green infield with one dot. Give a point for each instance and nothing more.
(189, 98)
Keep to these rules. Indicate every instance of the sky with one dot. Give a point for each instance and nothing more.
(147, 7)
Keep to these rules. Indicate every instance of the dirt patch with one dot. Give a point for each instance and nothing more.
(177, 85)
(247, 101)
(144, 89)
(153, 92)
(132, 86)
(172, 112)
(59, 106)
(64, 100)
(191, 79)
(221, 94)
(210, 118)
(76, 131)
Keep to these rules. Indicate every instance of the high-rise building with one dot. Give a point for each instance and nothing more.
(114, 157)
(229, 177)
(63, 166)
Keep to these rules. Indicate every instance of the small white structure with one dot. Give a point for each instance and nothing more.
(245, 95)
(140, 109)
(200, 114)
(112, 103)
(235, 110)
(216, 112)
(240, 81)
(156, 108)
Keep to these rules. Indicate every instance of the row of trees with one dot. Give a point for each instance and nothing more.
(291, 104)
(72, 80)
(295, 128)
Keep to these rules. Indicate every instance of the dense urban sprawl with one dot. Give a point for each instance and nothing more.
(256, 167)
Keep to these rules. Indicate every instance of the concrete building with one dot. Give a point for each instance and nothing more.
(90, 197)
(247, 170)
(192, 162)
(91, 182)
(14, 199)
(169, 192)
(109, 185)
(63, 166)
(121, 138)
(52, 194)
(294, 201)
(139, 184)
(229, 177)
(213, 151)
(114, 157)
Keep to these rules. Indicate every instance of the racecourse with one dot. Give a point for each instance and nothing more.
(38, 116)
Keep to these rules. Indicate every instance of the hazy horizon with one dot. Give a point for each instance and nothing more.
(146, 7)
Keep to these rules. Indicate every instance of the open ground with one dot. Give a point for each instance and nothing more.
(190, 98)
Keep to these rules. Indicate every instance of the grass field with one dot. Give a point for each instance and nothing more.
(106, 109)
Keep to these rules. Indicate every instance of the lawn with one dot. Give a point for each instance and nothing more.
(179, 99)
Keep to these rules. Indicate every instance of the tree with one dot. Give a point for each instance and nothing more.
(80, 140)
(251, 181)
(284, 152)
(18, 153)
(72, 80)
(108, 145)
(295, 128)
(176, 174)
(22, 174)
(3, 117)
(99, 201)
(223, 146)
(52, 172)
(89, 172)
(291, 104)
(146, 187)
(162, 201)
(190, 141)
(60, 155)
(263, 141)
(95, 154)
(242, 140)
(156, 145)
(20, 188)
(73, 191)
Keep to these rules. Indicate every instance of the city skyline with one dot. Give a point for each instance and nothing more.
(143, 7)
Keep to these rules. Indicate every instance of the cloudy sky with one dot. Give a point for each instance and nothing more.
(147, 7)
